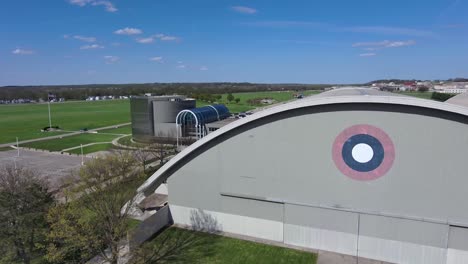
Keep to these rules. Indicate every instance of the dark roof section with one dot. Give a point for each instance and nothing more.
(203, 115)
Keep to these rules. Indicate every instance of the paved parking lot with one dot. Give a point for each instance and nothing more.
(51, 166)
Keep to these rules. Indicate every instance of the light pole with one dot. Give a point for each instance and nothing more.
(50, 119)
(82, 157)
(17, 146)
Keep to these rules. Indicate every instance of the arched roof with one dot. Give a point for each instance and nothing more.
(340, 96)
(461, 99)
(203, 115)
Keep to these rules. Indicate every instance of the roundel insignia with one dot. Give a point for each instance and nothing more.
(363, 152)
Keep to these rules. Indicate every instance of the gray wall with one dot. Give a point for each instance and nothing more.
(142, 117)
(165, 113)
(290, 160)
(155, 116)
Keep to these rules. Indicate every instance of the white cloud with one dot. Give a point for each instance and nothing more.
(168, 38)
(80, 2)
(153, 38)
(19, 51)
(244, 10)
(145, 40)
(83, 38)
(157, 59)
(109, 6)
(94, 46)
(163, 37)
(128, 31)
(111, 59)
(181, 66)
(203, 68)
(384, 44)
(367, 54)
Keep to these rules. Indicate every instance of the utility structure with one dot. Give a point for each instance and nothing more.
(192, 122)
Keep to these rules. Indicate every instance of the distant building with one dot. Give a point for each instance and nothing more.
(156, 115)
(453, 88)
(170, 118)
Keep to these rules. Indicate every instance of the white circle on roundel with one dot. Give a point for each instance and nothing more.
(362, 153)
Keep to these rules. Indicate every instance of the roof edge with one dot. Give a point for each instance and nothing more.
(308, 102)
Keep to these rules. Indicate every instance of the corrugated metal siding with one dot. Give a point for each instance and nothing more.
(398, 240)
(323, 229)
(231, 223)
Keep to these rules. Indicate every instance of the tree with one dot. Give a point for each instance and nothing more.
(143, 156)
(237, 100)
(24, 201)
(423, 89)
(96, 220)
(162, 147)
(230, 97)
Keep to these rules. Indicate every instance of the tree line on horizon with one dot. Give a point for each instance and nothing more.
(81, 92)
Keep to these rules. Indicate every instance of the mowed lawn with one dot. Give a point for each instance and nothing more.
(70, 142)
(209, 248)
(26, 120)
(242, 106)
(124, 130)
(423, 95)
(92, 149)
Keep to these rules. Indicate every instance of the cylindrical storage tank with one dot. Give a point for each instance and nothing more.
(165, 113)
(142, 118)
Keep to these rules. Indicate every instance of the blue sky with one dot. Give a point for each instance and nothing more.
(294, 41)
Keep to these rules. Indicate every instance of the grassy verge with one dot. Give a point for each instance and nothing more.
(127, 141)
(423, 95)
(125, 130)
(209, 248)
(69, 142)
(6, 149)
(92, 148)
(26, 120)
(243, 104)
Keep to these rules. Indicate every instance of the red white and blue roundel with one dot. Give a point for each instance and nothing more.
(363, 152)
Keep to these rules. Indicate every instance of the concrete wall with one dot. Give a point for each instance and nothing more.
(287, 161)
(142, 117)
(165, 113)
(155, 116)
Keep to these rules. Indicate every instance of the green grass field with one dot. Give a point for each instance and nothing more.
(123, 130)
(92, 148)
(208, 248)
(243, 106)
(25, 121)
(423, 95)
(72, 141)
(6, 149)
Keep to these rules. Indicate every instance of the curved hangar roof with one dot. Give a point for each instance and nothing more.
(348, 95)
(349, 102)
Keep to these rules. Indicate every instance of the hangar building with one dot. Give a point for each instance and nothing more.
(354, 171)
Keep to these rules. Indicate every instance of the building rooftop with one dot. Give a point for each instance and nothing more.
(461, 99)
(352, 91)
